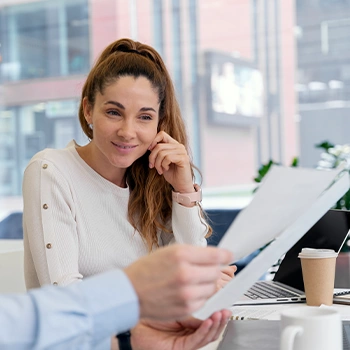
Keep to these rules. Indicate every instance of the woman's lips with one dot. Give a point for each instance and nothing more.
(124, 147)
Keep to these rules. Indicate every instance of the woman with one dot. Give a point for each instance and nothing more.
(88, 209)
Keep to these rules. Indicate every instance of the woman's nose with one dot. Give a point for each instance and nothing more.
(126, 129)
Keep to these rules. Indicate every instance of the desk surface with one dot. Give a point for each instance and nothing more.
(10, 245)
(11, 266)
(272, 312)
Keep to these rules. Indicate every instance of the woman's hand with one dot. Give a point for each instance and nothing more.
(188, 334)
(227, 273)
(171, 160)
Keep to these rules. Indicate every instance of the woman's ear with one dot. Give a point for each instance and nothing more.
(87, 110)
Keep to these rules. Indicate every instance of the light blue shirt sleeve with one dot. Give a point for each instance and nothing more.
(81, 316)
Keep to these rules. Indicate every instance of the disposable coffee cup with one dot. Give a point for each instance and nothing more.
(318, 266)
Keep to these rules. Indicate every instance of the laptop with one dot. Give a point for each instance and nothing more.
(287, 286)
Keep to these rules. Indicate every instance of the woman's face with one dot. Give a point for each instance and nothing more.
(125, 119)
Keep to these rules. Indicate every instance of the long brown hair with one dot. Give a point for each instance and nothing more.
(150, 203)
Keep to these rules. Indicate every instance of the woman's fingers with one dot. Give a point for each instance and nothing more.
(229, 270)
(227, 273)
(166, 150)
(161, 137)
(165, 153)
(170, 159)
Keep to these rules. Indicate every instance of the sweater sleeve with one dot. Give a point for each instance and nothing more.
(50, 234)
(188, 226)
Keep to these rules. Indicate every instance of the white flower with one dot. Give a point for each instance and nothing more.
(335, 156)
(324, 165)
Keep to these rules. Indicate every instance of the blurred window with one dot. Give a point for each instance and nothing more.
(256, 79)
(44, 39)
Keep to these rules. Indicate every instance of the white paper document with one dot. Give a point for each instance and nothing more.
(258, 312)
(287, 204)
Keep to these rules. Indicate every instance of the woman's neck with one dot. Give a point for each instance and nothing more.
(88, 155)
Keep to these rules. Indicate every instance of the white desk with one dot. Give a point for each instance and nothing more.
(11, 266)
(10, 245)
(343, 309)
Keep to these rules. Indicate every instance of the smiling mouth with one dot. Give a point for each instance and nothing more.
(123, 146)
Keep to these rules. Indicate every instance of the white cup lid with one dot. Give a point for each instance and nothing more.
(310, 253)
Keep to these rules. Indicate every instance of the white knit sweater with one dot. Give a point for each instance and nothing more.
(75, 221)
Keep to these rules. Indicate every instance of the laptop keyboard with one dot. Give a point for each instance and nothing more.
(261, 290)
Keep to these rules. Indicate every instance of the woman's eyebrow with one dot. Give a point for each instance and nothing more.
(145, 109)
(118, 104)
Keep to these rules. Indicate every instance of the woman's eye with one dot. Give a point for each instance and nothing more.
(146, 117)
(113, 112)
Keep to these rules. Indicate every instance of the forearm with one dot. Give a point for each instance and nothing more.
(188, 226)
(80, 316)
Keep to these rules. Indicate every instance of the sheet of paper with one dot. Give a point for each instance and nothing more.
(342, 299)
(264, 229)
(283, 196)
(251, 312)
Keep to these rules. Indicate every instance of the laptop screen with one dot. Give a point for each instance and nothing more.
(328, 233)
